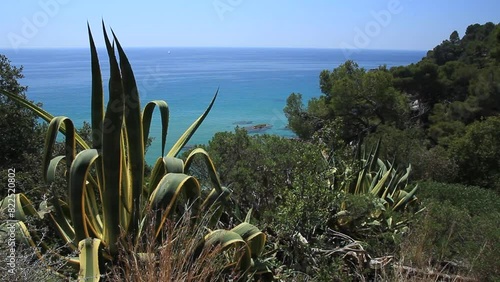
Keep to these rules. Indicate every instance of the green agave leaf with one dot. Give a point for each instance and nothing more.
(389, 200)
(89, 260)
(393, 184)
(92, 211)
(135, 140)
(77, 181)
(228, 239)
(385, 194)
(22, 206)
(249, 215)
(41, 113)
(112, 152)
(51, 138)
(376, 190)
(255, 239)
(164, 197)
(190, 131)
(405, 176)
(97, 104)
(97, 96)
(126, 190)
(147, 115)
(213, 204)
(404, 201)
(174, 165)
(51, 171)
(382, 165)
(60, 219)
(359, 183)
(214, 177)
(389, 222)
(157, 174)
(374, 155)
(50, 165)
(375, 179)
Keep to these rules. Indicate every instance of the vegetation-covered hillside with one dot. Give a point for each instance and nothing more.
(438, 123)
(395, 176)
(437, 107)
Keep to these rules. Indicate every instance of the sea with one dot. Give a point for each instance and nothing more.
(253, 83)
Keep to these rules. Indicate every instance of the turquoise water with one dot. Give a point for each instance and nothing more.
(253, 83)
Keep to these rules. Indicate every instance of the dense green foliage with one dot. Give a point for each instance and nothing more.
(477, 153)
(106, 199)
(441, 116)
(429, 113)
(295, 191)
(459, 229)
(362, 100)
(328, 201)
(21, 136)
(260, 169)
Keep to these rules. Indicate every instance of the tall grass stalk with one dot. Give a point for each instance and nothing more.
(173, 258)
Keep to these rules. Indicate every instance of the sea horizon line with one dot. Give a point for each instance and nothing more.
(215, 47)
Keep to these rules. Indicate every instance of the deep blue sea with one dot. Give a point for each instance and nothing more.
(253, 82)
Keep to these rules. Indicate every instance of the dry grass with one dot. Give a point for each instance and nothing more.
(29, 268)
(28, 265)
(173, 259)
(417, 260)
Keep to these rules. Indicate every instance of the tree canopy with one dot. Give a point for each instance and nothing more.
(445, 95)
(21, 138)
(361, 99)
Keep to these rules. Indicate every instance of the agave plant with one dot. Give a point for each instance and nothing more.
(108, 197)
(382, 180)
(379, 178)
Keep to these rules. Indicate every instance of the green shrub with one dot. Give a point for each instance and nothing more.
(478, 154)
(399, 146)
(21, 139)
(459, 228)
(474, 200)
(434, 164)
(289, 185)
(262, 169)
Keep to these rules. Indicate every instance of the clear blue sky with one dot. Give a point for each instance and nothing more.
(368, 24)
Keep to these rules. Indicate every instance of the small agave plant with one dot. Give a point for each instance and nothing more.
(108, 198)
(388, 185)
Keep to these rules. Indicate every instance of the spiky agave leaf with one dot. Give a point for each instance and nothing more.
(109, 174)
(147, 115)
(134, 142)
(255, 238)
(229, 241)
(164, 197)
(182, 141)
(89, 260)
(41, 113)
